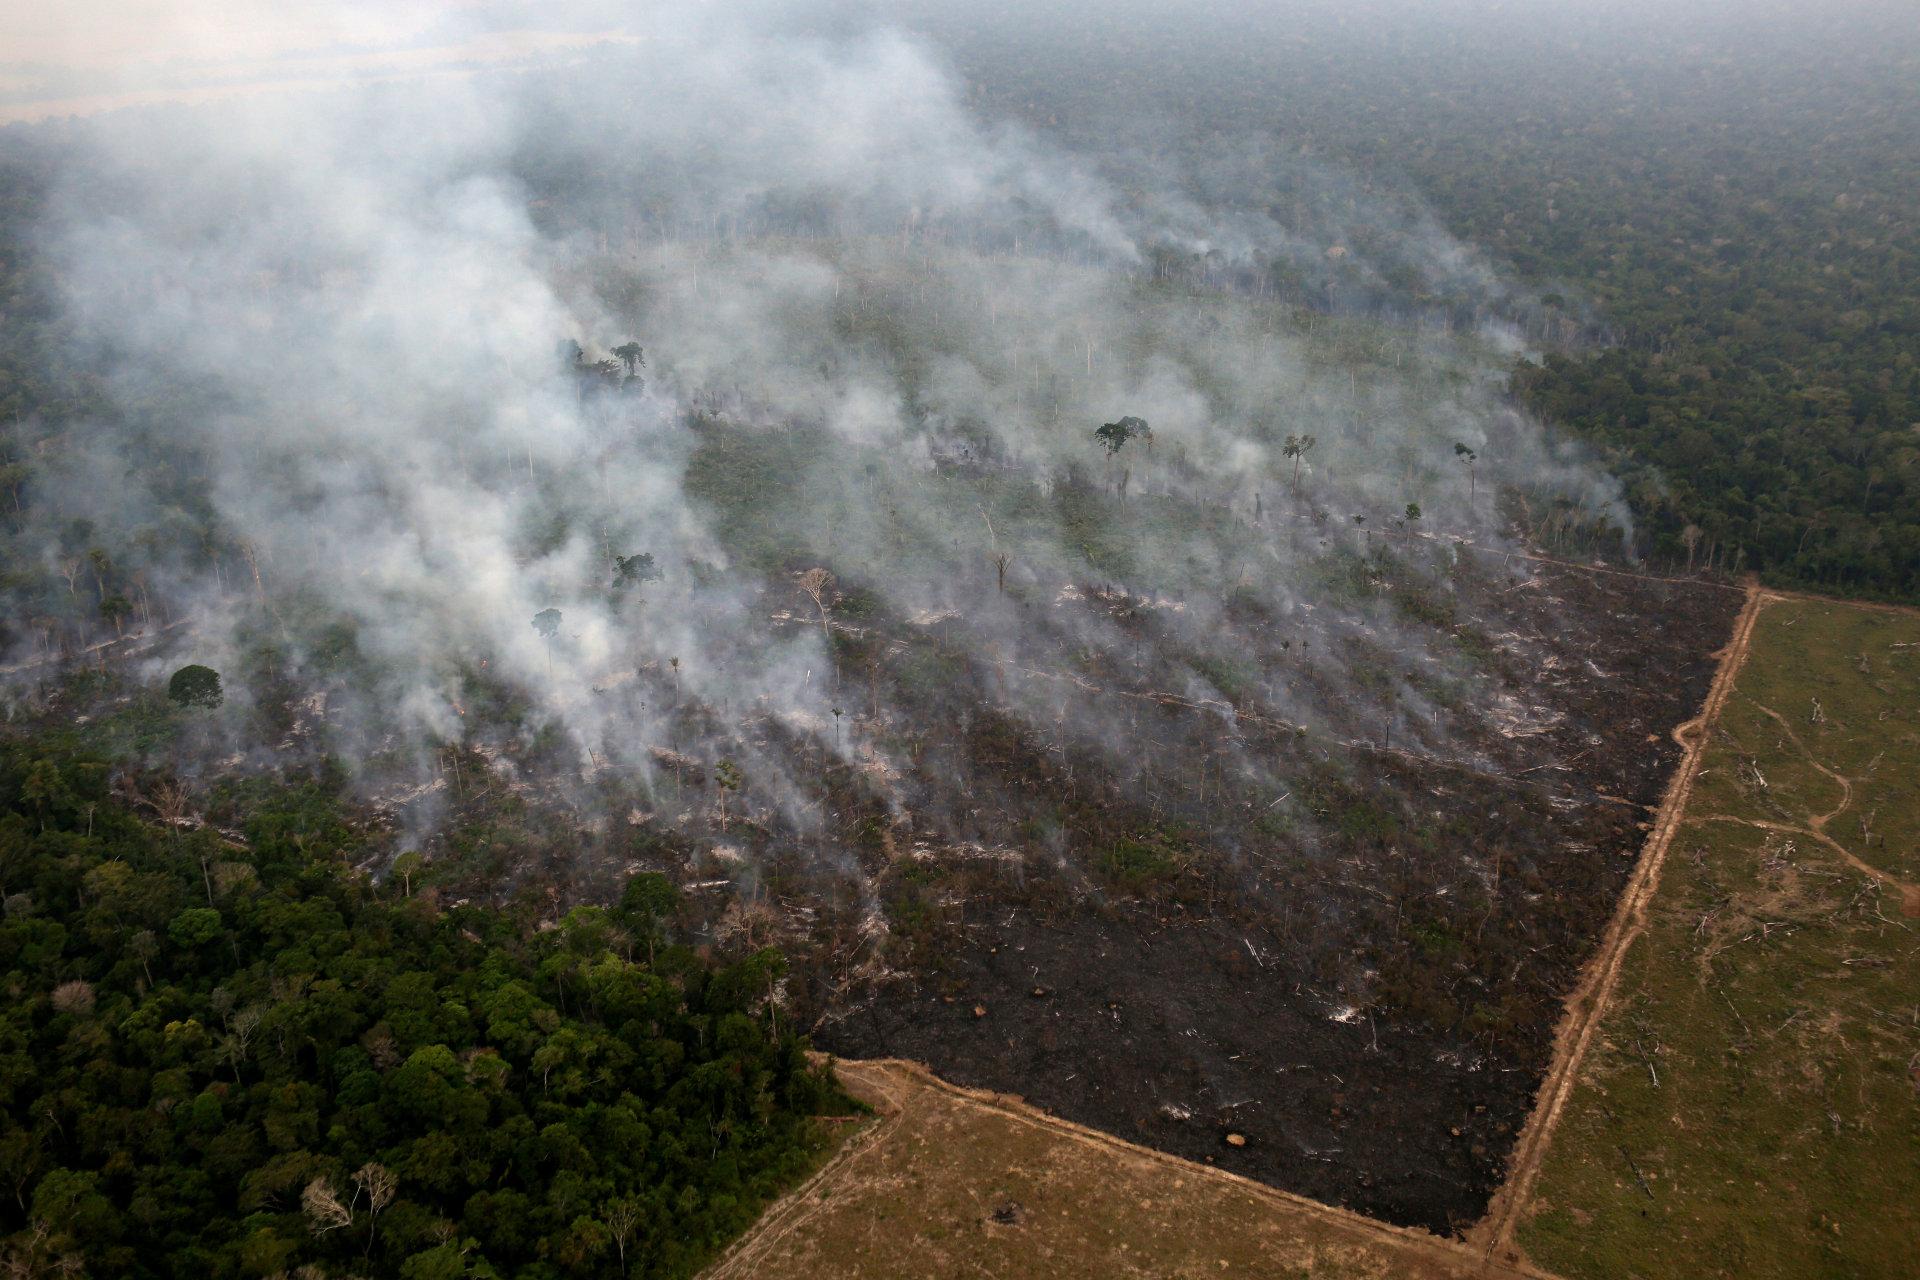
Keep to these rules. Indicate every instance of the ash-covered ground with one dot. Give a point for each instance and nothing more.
(1373, 1017)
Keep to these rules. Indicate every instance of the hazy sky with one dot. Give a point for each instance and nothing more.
(130, 52)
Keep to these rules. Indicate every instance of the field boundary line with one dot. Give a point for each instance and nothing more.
(792, 1210)
(1591, 999)
(1844, 602)
(799, 1205)
(1400, 1239)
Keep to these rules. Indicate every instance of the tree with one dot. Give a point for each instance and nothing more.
(1690, 539)
(1469, 457)
(586, 1238)
(1114, 435)
(102, 566)
(632, 355)
(69, 568)
(648, 901)
(238, 1041)
(195, 686)
(547, 623)
(407, 866)
(12, 476)
(816, 584)
(194, 927)
(728, 777)
(379, 1185)
(45, 788)
(1296, 448)
(635, 569)
(622, 1215)
(445, 1261)
(1001, 559)
(115, 609)
(144, 946)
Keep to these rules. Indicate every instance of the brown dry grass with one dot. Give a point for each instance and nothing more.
(950, 1182)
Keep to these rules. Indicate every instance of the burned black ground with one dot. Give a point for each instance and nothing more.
(1374, 1022)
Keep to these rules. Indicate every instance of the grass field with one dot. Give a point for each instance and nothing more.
(952, 1183)
(1751, 1106)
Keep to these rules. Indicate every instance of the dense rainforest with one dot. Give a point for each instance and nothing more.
(223, 1052)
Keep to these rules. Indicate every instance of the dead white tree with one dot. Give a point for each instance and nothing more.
(1001, 559)
(623, 1218)
(817, 585)
(1690, 539)
(379, 1185)
(323, 1208)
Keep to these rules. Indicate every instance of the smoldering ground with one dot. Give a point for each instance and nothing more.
(338, 313)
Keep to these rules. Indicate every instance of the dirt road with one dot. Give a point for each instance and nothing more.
(1494, 1234)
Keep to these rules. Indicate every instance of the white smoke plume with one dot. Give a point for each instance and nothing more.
(338, 311)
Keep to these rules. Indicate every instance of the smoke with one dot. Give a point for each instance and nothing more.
(879, 332)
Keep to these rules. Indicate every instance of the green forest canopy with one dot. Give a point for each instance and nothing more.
(226, 1059)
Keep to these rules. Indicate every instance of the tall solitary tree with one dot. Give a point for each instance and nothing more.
(195, 686)
(649, 902)
(728, 777)
(1001, 559)
(114, 609)
(1297, 448)
(1469, 457)
(817, 586)
(1690, 539)
(1114, 435)
(547, 623)
(634, 570)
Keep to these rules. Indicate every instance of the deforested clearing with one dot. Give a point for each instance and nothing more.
(1749, 1105)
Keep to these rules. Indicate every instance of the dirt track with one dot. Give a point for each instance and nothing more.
(1494, 1234)
(1815, 825)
